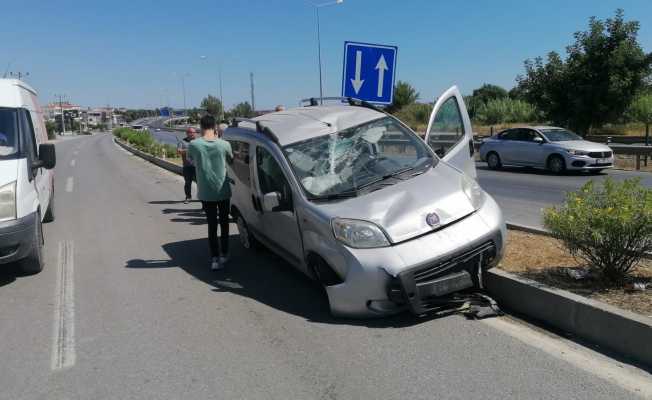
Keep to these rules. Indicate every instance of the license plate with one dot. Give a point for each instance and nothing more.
(602, 161)
(446, 284)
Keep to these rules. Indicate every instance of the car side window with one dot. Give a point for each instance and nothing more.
(528, 135)
(28, 140)
(240, 166)
(509, 135)
(447, 129)
(271, 178)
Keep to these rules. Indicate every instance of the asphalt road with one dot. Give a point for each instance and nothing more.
(523, 192)
(141, 316)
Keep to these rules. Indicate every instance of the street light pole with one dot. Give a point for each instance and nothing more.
(317, 7)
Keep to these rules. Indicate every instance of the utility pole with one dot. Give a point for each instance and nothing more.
(63, 118)
(253, 104)
(221, 98)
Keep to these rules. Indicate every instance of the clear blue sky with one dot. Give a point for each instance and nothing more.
(127, 53)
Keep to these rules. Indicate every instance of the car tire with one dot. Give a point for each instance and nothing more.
(323, 272)
(247, 240)
(49, 214)
(33, 263)
(556, 164)
(493, 161)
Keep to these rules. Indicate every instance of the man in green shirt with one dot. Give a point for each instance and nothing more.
(210, 155)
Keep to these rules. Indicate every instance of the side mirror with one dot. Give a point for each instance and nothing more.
(538, 139)
(47, 156)
(271, 201)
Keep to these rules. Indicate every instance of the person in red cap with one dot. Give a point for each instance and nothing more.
(188, 165)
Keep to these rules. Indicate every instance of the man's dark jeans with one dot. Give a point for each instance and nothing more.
(211, 209)
(188, 177)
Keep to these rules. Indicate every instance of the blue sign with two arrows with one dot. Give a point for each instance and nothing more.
(369, 71)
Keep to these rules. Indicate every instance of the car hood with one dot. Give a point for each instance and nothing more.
(583, 145)
(8, 171)
(401, 209)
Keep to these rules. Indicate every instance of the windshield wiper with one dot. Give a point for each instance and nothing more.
(334, 196)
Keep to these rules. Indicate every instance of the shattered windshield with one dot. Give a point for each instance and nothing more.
(348, 160)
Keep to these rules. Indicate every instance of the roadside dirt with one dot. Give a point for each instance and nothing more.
(544, 259)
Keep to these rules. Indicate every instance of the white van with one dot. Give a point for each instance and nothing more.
(26, 176)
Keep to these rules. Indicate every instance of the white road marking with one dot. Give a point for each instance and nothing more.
(63, 344)
(72, 163)
(69, 184)
(623, 375)
(75, 152)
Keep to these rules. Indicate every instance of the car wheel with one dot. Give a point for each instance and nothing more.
(49, 214)
(556, 164)
(493, 161)
(324, 273)
(246, 238)
(33, 263)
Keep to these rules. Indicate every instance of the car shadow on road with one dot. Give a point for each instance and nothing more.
(537, 171)
(9, 273)
(266, 278)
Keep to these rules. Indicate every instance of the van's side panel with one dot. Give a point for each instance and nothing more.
(27, 200)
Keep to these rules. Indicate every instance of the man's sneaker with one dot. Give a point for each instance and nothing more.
(224, 258)
(187, 200)
(215, 264)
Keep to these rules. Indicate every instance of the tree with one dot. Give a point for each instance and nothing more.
(488, 92)
(404, 94)
(212, 105)
(641, 110)
(242, 110)
(603, 71)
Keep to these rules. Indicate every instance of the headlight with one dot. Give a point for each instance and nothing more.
(578, 152)
(473, 191)
(8, 202)
(359, 234)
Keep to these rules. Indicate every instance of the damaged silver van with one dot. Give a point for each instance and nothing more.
(353, 198)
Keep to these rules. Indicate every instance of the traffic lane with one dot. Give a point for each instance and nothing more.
(27, 305)
(153, 319)
(167, 136)
(522, 193)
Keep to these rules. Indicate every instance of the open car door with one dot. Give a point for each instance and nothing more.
(449, 132)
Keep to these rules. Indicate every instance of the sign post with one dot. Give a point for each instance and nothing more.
(369, 71)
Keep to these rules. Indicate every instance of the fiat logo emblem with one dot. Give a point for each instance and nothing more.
(432, 219)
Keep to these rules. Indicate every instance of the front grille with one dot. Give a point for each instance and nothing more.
(600, 154)
(409, 281)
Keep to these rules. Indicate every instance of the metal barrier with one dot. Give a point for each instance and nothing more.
(640, 152)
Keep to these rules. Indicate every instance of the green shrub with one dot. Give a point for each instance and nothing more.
(609, 227)
(506, 110)
(415, 115)
(144, 141)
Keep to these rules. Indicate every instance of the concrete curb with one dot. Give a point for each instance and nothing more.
(528, 229)
(611, 328)
(177, 169)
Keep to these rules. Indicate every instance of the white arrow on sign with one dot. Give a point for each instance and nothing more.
(357, 82)
(381, 67)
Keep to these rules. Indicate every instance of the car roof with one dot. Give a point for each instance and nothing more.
(302, 123)
(537, 127)
(12, 91)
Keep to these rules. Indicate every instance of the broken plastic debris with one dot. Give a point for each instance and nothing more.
(577, 273)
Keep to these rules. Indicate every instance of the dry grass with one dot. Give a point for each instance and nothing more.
(544, 259)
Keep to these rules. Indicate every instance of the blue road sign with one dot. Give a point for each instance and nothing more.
(369, 71)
